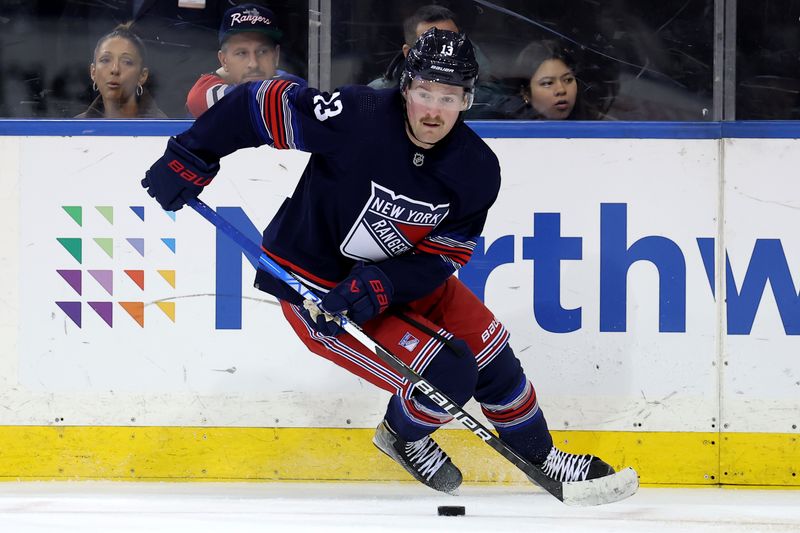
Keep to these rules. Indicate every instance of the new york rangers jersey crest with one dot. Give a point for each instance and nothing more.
(390, 225)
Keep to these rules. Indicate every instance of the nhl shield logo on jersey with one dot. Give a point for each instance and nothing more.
(389, 225)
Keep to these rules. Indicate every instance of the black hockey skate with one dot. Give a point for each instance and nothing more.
(423, 459)
(568, 467)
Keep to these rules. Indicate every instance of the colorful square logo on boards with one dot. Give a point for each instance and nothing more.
(75, 273)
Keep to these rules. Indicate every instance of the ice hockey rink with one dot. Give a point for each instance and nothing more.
(245, 507)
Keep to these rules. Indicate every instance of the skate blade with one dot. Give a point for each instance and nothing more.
(606, 489)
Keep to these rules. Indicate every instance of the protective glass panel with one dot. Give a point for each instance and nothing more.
(767, 70)
(46, 49)
(632, 60)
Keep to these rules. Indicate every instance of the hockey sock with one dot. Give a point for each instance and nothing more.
(521, 424)
(454, 374)
(411, 420)
(509, 402)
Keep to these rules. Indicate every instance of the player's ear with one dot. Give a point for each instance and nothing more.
(406, 48)
(143, 75)
(277, 55)
(91, 71)
(221, 58)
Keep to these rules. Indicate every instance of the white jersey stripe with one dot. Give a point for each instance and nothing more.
(214, 94)
(452, 243)
(260, 98)
(287, 119)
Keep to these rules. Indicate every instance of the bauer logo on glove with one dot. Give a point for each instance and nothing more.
(188, 175)
(364, 294)
(178, 176)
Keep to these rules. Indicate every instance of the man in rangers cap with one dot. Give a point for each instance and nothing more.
(249, 50)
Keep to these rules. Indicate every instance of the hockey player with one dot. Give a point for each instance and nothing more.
(390, 205)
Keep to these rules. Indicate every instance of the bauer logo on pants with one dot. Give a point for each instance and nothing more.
(390, 225)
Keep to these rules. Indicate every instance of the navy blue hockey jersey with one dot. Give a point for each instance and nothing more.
(368, 193)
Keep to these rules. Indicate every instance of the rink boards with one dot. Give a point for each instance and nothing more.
(648, 274)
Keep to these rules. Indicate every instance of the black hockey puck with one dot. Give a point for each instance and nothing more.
(451, 510)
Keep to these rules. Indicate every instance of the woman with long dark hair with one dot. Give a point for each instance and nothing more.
(548, 84)
(119, 75)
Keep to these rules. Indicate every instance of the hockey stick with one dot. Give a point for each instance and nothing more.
(598, 491)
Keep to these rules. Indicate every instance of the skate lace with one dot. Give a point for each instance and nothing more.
(563, 466)
(426, 456)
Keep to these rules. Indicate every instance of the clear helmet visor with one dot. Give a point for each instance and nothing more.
(437, 95)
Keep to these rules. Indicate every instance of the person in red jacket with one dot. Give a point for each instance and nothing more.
(249, 50)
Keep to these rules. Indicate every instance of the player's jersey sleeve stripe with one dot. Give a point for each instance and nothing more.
(447, 250)
(275, 112)
(214, 93)
(290, 125)
(455, 252)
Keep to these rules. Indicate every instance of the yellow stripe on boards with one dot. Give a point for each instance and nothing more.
(760, 459)
(659, 458)
(328, 454)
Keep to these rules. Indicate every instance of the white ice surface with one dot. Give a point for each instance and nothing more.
(111, 507)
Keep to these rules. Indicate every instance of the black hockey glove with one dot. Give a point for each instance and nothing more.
(178, 176)
(362, 295)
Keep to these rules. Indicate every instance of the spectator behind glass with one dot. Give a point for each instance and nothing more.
(119, 74)
(423, 19)
(548, 86)
(433, 16)
(249, 51)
